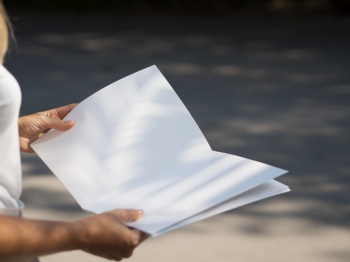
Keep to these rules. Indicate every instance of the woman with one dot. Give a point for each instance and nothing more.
(21, 239)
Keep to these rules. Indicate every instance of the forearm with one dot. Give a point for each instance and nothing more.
(23, 238)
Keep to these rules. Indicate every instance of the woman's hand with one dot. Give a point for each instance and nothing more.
(106, 235)
(34, 126)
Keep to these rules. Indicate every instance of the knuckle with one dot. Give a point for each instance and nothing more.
(133, 241)
(131, 244)
(41, 118)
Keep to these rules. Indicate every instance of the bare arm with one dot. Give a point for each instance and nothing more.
(23, 239)
(103, 235)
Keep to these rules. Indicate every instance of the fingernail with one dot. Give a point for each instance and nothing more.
(141, 211)
(69, 122)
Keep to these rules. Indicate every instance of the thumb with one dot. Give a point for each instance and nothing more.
(129, 215)
(55, 123)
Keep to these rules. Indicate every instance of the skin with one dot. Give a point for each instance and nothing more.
(104, 235)
(33, 126)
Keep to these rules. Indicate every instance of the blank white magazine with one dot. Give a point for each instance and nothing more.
(135, 145)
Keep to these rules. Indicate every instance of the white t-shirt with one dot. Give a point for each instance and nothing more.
(10, 161)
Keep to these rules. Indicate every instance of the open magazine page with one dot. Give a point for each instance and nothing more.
(127, 132)
(265, 190)
(189, 189)
(135, 145)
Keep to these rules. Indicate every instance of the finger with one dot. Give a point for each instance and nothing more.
(61, 112)
(136, 233)
(128, 215)
(143, 237)
(49, 122)
(140, 235)
(30, 150)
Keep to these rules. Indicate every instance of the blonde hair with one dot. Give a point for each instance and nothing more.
(6, 32)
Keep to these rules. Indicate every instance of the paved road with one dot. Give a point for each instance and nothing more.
(273, 90)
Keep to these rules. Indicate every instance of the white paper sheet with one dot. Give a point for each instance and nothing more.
(129, 131)
(135, 145)
(188, 189)
(265, 190)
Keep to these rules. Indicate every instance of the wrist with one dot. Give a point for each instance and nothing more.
(64, 236)
(77, 235)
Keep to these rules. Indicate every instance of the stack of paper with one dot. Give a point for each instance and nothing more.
(135, 145)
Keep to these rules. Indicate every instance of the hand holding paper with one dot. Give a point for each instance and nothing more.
(135, 145)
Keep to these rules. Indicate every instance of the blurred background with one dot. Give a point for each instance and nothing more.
(268, 80)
